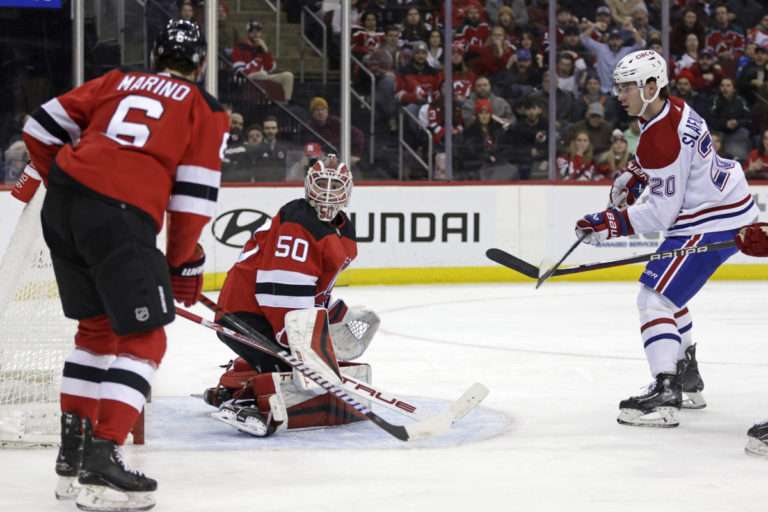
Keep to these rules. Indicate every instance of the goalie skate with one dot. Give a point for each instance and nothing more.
(757, 444)
(244, 415)
(691, 381)
(659, 407)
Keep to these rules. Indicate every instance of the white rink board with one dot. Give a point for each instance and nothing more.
(429, 226)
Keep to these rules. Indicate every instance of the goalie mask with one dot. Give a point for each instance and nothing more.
(639, 68)
(328, 187)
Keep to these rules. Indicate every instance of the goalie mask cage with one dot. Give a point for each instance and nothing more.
(35, 337)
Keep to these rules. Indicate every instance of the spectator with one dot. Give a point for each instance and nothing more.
(759, 33)
(567, 106)
(753, 75)
(726, 39)
(577, 163)
(379, 62)
(613, 161)
(500, 107)
(237, 164)
(463, 79)
(228, 33)
(717, 145)
(416, 83)
(525, 144)
(603, 24)
(521, 78)
(271, 153)
(594, 94)
(252, 59)
(253, 135)
(632, 135)
(519, 12)
(15, 159)
(329, 128)
(689, 23)
(607, 55)
(689, 57)
(312, 152)
(595, 125)
(621, 10)
(706, 74)
(756, 166)
(641, 23)
(368, 37)
(496, 56)
(746, 9)
(571, 73)
(480, 150)
(731, 116)
(187, 10)
(572, 43)
(392, 45)
(473, 31)
(414, 29)
(684, 90)
(432, 118)
(435, 50)
(506, 20)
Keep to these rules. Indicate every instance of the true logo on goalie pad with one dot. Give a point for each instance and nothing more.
(378, 396)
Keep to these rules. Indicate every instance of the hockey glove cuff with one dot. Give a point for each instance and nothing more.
(628, 186)
(187, 278)
(601, 226)
(753, 239)
(27, 184)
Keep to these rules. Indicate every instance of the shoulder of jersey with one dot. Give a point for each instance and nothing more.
(300, 212)
(660, 144)
(210, 100)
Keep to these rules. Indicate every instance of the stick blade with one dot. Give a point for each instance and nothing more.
(442, 423)
(513, 262)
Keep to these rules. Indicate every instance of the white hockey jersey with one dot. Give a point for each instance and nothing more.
(691, 189)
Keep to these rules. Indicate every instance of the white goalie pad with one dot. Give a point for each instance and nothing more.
(309, 340)
(354, 333)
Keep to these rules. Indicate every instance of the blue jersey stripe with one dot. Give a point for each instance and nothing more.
(662, 336)
(716, 217)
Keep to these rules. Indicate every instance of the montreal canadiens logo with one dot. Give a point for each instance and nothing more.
(235, 227)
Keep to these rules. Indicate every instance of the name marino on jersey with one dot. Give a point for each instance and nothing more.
(158, 85)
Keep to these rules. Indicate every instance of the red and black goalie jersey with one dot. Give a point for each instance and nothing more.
(291, 262)
(151, 140)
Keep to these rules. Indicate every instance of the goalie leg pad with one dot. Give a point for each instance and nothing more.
(353, 334)
(309, 339)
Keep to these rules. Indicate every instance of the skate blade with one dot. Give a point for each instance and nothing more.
(67, 488)
(693, 400)
(253, 427)
(100, 498)
(662, 417)
(756, 448)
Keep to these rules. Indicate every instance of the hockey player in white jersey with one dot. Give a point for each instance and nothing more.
(695, 198)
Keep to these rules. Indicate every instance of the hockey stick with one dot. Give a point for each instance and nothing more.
(552, 270)
(420, 430)
(525, 268)
(386, 400)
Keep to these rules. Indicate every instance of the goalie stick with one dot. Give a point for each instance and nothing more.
(532, 271)
(429, 427)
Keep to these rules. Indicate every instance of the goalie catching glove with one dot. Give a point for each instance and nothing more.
(352, 329)
(752, 240)
(598, 227)
(187, 278)
(628, 186)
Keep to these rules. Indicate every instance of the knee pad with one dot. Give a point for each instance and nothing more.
(146, 346)
(135, 287)
(651, 305)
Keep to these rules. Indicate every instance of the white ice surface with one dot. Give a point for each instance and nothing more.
(557, 362)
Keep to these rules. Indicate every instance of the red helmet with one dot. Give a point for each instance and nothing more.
(328, 187)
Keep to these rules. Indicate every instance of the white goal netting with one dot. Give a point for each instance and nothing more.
(35, 337)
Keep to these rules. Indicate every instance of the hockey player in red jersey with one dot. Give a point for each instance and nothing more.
(285, 273)
(116, 153)
(694, 197)
(753, 241)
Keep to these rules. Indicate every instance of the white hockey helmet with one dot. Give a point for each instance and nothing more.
(328, 187)
(639, 67)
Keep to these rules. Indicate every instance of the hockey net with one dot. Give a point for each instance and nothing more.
(35, 337)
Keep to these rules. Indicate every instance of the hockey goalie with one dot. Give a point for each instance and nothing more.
(280, 288)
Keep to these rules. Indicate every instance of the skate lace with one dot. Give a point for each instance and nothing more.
(120, 459)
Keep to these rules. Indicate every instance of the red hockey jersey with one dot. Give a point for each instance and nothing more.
(147, 139)
(291, 262)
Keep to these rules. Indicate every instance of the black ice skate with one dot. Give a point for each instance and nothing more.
(70, 457)
(659, 407)
(108, 485)
(245, 416)
(691, 381)
(757, 443)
